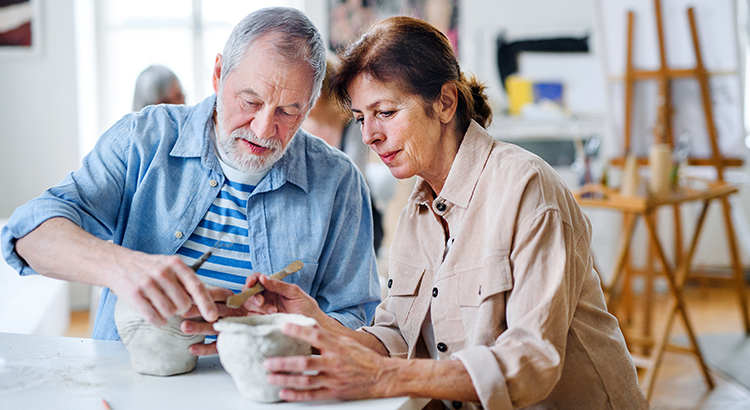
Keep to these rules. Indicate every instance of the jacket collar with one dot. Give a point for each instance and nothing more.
(464, 173)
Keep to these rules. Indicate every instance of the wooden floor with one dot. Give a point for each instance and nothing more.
(679, 384)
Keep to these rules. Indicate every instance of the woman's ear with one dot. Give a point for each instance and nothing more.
(447, 103)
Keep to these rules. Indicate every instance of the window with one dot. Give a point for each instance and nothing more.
(184, 35)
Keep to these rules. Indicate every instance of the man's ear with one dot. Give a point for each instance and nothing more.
(447, 103)
(216, 77)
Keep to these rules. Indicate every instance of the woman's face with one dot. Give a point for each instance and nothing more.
(396, 126)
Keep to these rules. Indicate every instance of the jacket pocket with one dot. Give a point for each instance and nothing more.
(404, 283)
(477, 284)
(404, 280)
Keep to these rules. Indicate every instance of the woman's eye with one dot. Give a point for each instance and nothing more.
(387, 113)
(360, 120)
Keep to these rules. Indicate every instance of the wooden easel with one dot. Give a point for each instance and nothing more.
(663, 134)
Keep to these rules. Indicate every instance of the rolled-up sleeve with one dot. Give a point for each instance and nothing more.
(386, 329)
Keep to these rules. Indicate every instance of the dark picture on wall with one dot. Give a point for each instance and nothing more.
(349, 18)
(18, 26)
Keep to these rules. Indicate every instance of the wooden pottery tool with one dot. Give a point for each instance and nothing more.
(237, 300)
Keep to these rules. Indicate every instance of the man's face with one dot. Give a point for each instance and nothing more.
(260, 105)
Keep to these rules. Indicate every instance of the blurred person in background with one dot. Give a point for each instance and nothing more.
(157, 84)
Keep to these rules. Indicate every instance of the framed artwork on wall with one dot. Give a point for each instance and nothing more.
(20, 27)
(350, 18)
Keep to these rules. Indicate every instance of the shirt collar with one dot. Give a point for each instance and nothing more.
(198, 122)
(291, 167)
(464, 173)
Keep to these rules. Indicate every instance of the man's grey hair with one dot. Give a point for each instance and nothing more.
(299, 39)
(152, 85)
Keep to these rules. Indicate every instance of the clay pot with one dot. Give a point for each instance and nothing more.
(244, 343)
(158, 351)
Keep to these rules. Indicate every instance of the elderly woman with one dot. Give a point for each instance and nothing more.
(493, 297)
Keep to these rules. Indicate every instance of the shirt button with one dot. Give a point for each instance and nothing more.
(434, 292)
(457, 405)
(440, 206)
(442, 347)
(178, 235)
(390, 283)
(213, 183)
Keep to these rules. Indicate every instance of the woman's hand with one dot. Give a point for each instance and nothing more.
(345, 369)
(282, 297)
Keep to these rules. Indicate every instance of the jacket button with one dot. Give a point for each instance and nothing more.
(390, 283)
(440, 206)
(434, 292)
(442, 347)
(213, 183)
(178, 235)
(457, 405)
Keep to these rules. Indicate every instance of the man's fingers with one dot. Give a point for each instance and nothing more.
(154, 295)
(169, 278)
(149, 313)
(200, 295)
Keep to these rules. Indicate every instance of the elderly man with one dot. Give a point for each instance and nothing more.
(164, 185)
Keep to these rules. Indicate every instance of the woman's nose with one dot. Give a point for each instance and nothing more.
(370, 132)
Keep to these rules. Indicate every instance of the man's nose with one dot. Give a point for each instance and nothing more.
(264, 124)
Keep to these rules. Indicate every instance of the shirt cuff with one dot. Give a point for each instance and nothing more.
(347, 319)
(391, 339)
(486, 376)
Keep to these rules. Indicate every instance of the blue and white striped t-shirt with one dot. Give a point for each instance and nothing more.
(224, 223)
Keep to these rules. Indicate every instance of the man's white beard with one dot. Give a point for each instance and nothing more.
(240, 158)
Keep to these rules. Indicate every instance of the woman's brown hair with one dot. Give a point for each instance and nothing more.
(415, 56)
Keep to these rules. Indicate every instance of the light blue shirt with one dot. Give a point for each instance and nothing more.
(152, 177)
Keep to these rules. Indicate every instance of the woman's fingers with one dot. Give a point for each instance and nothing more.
(200, 349)
(310, 334)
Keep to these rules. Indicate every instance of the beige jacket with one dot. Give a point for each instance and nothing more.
(516, 299)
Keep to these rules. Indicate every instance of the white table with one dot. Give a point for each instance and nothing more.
(46, 372)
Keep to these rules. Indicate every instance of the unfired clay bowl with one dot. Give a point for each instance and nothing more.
(158, 351)
(244, 343)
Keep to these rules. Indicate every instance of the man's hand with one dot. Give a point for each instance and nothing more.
(160, 286)
(156, 286)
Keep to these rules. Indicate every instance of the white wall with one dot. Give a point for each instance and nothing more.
(39, 132)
